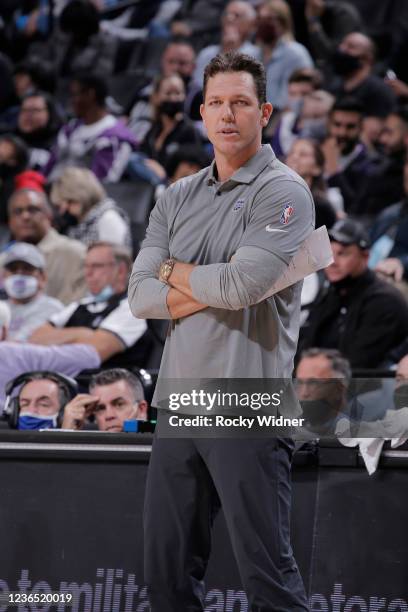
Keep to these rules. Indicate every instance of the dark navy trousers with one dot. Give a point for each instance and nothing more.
(188, 480)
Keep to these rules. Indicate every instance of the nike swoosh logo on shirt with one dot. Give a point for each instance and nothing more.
(274, 229)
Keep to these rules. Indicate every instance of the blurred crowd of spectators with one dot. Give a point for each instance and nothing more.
(99, 112)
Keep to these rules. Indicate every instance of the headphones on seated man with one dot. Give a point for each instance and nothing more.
(67, 387)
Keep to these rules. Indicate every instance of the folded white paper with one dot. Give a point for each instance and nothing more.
(314, 254)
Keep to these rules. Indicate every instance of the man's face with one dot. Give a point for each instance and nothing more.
(116, 404)
(100, 269)
(345, 127)
(29, 219)
(180, 59)
(80, 98)
(241, 15)
(25, 269)
(357, 45)
(401, 374)
(232, 115)
(393, 135)
(299, 90)
(313, 376)
(33, 114)
(349, 260)
(40, 397)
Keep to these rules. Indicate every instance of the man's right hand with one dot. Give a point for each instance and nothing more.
(77, 410)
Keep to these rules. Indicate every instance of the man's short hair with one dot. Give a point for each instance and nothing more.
(237, 62)
(339, 364)
(348, 104)
(120, 253)
(64, 392)
(95, 82)
(306, 75)
(109, 377)
(40, 197)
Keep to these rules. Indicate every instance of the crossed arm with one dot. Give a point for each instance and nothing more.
(191, 288)
(106, 343)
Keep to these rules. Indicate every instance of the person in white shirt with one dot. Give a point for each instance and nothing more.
(24, 277)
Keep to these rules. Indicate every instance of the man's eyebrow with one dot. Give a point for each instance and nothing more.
(120, 398)
(43, 397)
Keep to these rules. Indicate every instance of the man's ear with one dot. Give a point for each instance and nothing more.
(142, 409)
(266, 110)
(42, 279)
(201, 112)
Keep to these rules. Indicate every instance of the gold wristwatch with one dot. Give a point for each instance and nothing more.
(166, 268)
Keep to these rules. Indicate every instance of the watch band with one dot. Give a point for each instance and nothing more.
(166, 268)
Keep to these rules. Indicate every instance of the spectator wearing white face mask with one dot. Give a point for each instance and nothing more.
(24, 280)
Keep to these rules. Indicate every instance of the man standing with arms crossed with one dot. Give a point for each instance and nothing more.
(215, 244)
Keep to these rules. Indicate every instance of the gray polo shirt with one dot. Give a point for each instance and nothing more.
(260, 215)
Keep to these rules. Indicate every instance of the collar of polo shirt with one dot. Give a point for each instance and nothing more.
(249, 171)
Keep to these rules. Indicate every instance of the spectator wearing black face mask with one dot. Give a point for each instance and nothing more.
(170, 128)
(353, 62)
(37, 125)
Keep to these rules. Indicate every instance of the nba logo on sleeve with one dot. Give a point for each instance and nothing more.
(287, 212)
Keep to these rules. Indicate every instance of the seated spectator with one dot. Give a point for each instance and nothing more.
(389, 235)
(102, 319)
(115, 396)
(280, 54)
(302, 83)
(178, 58)
(237, 29)
(14, 157)
(306, 158)
(198, 18)
(401, 384)
(30, 217)
(37, 126)
(40, 401)
(328, 22)
(34, 75)
(347, 159)
(77, 44)
(24, 277)
(95, 139)
(17, 358)
(384, 184)
(322, 380)
(355, 312)
(86, 212)
(353, 63)
(170, 129)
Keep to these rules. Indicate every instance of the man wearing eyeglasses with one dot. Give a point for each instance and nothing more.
(30, 220)
(103, 318)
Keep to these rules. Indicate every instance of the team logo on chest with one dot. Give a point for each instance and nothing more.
(287, 212)
(238, 205)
